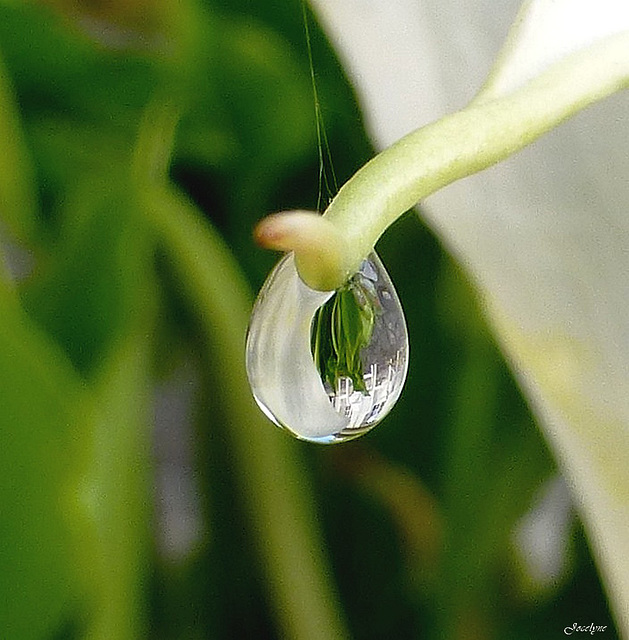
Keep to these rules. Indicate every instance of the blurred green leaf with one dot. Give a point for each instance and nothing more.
(57, 67)
(257, 93)
(37, 447)
(85, 294)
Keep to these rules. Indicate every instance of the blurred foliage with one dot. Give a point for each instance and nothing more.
(115, 278)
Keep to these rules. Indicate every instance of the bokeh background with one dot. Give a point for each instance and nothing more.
(143, 495)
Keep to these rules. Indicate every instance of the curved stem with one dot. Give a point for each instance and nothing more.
(488, 130)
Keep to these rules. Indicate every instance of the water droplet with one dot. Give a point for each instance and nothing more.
(327, 366)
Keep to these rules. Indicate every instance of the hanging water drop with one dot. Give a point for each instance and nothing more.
(327, 366)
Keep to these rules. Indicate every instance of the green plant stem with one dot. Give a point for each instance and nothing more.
(116, 488)
(273, 479)
(488, 130)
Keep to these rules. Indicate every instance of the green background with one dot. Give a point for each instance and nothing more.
(139, 145)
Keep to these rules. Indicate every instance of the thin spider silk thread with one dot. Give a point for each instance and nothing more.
(325, 155)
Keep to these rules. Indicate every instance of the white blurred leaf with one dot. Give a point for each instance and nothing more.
(542, 537)
(544, 234)
(548, 30)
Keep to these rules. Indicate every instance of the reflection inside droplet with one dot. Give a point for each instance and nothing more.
(327, 366)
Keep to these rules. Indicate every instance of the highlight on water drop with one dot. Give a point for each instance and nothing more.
(327, 366)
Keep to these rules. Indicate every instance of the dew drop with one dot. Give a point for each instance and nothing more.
(327, 366)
